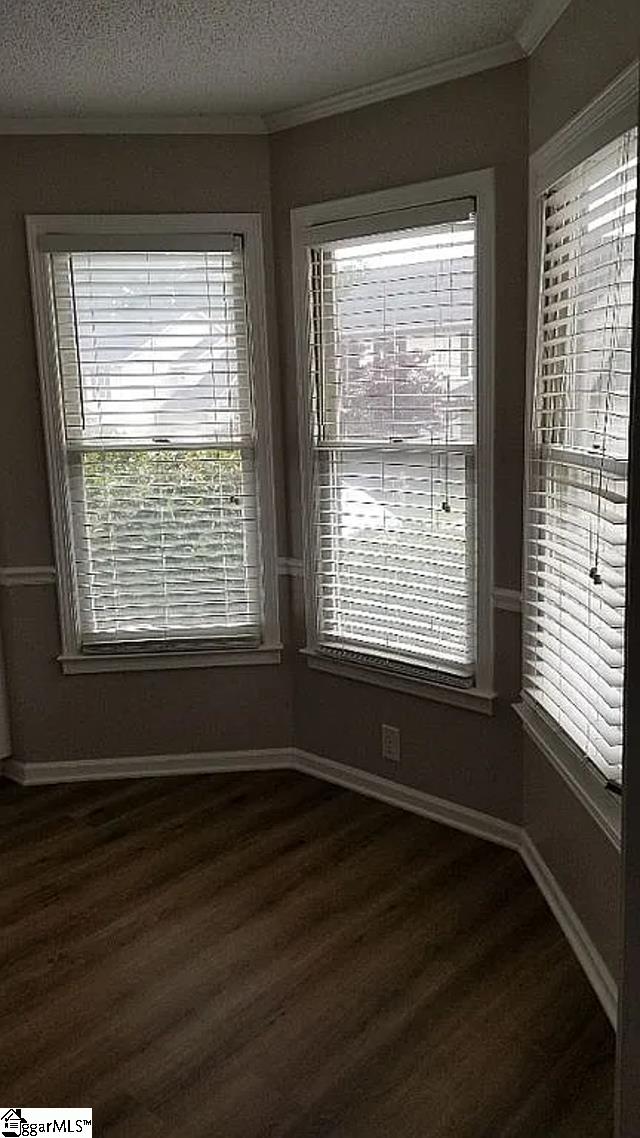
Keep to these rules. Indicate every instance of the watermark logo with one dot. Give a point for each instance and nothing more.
(16, 1121)
(11, 1121)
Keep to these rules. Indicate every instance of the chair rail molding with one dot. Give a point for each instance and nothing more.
(12, 576)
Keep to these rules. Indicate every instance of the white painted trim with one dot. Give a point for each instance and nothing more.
(411, 199)
(508, 600)
(393, 793)
(539, 22)
(12, 576)
(249, 227)
(135, 124)
(290, 566)
(471, 699)
(611, 113)
(406, 196)
(430, 76)
(485, 395)
(174, 225)
(143, 766)
(409, 798)
(580, 775)
(585, 950)
(170, 661)
(256, 301)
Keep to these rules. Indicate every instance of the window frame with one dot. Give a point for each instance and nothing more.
(411, 205)
(249, 227)
(610, 115)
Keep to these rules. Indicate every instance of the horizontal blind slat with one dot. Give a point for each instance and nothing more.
(577, 483)
(154, 362)
(392, 348)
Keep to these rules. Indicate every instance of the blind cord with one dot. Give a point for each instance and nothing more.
(612, 309)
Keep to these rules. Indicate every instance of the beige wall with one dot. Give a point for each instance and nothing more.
(592, 42)
(466, 125)
(55, 716)
(584, 861)
(5, 734)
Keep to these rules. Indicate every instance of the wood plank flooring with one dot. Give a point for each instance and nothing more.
(266, 956)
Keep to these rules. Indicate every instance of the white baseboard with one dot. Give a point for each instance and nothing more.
(143, 766)
(493, 830)
(408, 798)
(353, 778)
(585, 950)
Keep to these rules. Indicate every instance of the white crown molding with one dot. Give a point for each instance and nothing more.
(543, 15)
(136, 124)
(529, 35)
(612, 112)
(13, 575)
(386, 790)
(430, 76)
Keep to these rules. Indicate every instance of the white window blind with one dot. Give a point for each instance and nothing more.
(577, 481)
(393, 514)
(153, 356)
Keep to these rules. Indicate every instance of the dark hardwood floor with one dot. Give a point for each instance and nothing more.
(265, 955)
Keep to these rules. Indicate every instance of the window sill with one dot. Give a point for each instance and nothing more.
(472, 699)
(170, 661)
(586, 783)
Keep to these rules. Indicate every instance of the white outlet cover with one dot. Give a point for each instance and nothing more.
(390, 743)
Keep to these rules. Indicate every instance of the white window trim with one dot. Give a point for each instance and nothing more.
(480, 185)
(581, 776)
(249, 227)
(612, 113)
(74, 665)
(472, 699)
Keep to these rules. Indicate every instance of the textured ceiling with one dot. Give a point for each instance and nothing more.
(100, 57)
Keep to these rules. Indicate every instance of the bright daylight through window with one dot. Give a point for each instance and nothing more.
(393, 513)
(156, 437)
(577, 481)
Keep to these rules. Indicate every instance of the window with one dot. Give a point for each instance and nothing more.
(157, 413)
(577, 471)
(392, 438)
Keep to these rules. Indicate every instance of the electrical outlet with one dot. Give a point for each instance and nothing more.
(390, 743)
